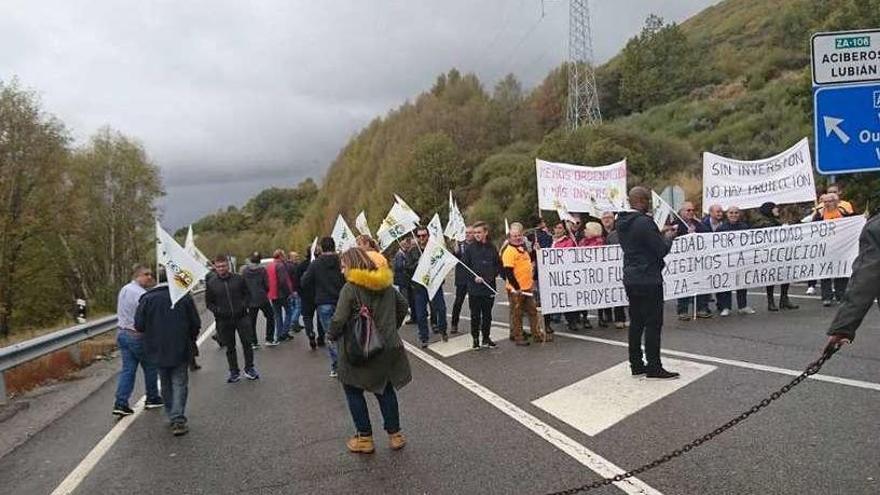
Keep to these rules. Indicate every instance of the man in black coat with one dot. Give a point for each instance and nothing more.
(168, 334)
(864, 287)
(644, 248)
(324, 277)
(462, 276)
(688, 224)
(422, 302)
(258, 300)
(483, 259)
(227, 296)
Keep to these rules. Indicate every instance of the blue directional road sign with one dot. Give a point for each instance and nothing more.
(847, 128)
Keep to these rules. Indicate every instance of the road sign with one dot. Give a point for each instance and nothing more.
(846, 57)
(847, 128)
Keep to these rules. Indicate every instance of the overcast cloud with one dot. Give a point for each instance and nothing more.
(230, 97)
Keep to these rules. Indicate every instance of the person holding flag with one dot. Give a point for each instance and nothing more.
(421, 298)
(517, 270)
(484, 263)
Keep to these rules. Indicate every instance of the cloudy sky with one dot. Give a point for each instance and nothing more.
(230, 96)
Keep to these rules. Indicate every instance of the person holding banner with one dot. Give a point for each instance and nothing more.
(517, 270)
(568, 238)
(832, 289)
(485, 264)
(725, 299)
(609, 225)
(768, 216)
(644, 248)
(420, 294)
(686, 223)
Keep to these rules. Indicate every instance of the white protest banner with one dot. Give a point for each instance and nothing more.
(189, 245)
(582, 278)
(435, 228)
(581, 189)
(783, 179)
(342, 235)
(661, 210)
(361, 224)
(436, 262)
(182, 270)
(395, 225)
(456, 227)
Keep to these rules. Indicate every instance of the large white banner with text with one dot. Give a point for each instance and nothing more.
(578, 188)
(783, 179)
(582, 278)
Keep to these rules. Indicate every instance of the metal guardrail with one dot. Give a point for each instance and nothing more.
(37, 347)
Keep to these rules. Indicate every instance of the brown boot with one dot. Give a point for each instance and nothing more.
(396, 441)
(360, 444)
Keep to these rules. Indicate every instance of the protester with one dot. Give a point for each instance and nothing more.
(131, 346)
(168, 333)
(768, 216)
(294, 302)
(618, 313)
(307, 297)
(420, 294)
(517, 269)
(484, 261)
(403, 277)
(559, 233)
(832, 289)
(734, 222)
(575, 320)
(462, 275)
(864, 287)
(280, 289)
(543, 237)
(258, 299)
(227, 297)
(370, 285)
(715, 219)
(371, 247)
(644, 248)
(688, 224)
(325, 274)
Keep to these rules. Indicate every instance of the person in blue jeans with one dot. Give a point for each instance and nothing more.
(131, 346)
(420, 294)
(324, 277)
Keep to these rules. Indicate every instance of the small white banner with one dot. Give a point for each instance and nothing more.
(342, 235)
(577, 188)
(181, 269)
(582, 278)
(783, 179)
(436, 262)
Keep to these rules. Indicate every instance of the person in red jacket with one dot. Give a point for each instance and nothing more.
(280, 290)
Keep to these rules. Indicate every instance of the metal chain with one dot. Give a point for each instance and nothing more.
(811, 370)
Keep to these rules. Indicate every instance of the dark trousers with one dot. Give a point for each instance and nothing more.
(617, 314)
(460, 294)
(438, 311)
(357, 405)
(266, 309)
(684, 304)
(646, 318)
(309, 320)
(175, 388)
(725, 299)
(226, 329)
(833, 288)
(783, 292)
(481, 315)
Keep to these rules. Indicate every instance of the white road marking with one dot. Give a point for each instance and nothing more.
(79, 473)
(464, 343)
(566, 444)
(849, 382)
(793, 296)
(600, 401)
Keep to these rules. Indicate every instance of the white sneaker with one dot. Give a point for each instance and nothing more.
(748, 310)
(811, 291)
(333, 374)
(725, 312)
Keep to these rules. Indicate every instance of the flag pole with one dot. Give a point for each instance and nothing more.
(477, 276)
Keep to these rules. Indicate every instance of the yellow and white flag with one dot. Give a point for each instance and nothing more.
(394, 226)
(436, 262)
(435, 228)
(189, 245)
(361, 224)
(342, 235)
(182, 270)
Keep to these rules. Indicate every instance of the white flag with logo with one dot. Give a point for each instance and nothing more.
(361, 224)
(189, 245)
(342, 235)
(435, 228)
(409, 214)
(395, 225)
(506, 227)
(182, 270)
(661, 210)
(314, 248)
(562, 211)
(456, 227)
(436, 262)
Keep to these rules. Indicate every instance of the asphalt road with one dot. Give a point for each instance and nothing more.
(286, 432)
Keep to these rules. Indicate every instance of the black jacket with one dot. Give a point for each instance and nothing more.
(864, 284)
(306, 292)
(644, 248)
(324, 274)
(257, 283)
(169, 332)
(227, 297)
(484, 260)
(728, 227)
(462, 275)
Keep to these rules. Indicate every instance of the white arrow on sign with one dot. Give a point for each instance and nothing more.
(832, 124)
